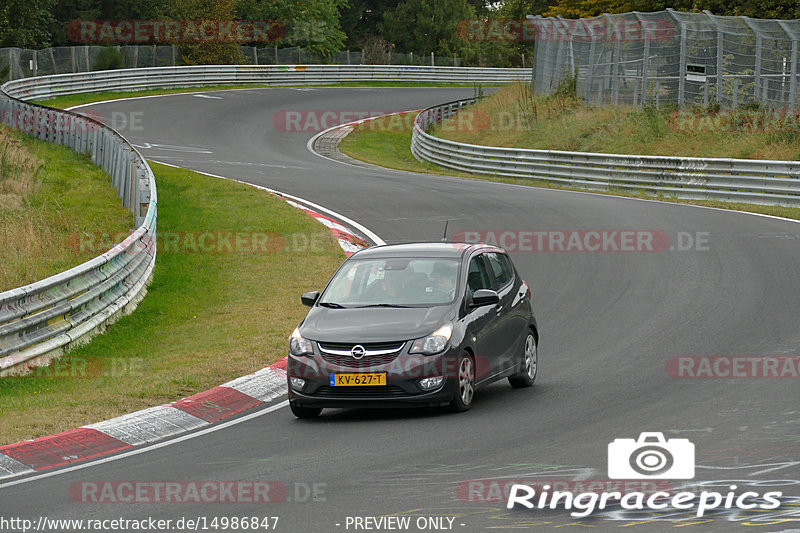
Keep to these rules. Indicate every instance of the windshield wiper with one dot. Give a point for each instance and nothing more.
(384, 305)
(332, 305)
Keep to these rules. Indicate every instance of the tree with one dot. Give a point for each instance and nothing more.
(422, 26)
(313, 24)
(206, 53)
(361, 19)
(576, 9)
(519, 9)
(25, 23)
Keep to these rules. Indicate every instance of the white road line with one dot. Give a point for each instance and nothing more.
(138, 451)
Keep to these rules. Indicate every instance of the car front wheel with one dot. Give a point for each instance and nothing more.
(465, 389)
(530, 362)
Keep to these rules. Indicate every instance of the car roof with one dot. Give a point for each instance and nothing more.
(454, 250)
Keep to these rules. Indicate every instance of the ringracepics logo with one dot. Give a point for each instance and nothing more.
(651, 457)
(648, 457)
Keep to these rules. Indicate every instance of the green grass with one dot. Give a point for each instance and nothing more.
(386, 142)
(67, 101)
(49, 197)
(514, 117)
(208, 317)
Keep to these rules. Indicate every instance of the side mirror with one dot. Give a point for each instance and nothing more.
(485, 297)
(310, 298)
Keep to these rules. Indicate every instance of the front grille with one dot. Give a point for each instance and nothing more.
(368, 346)
(375, 353)
(369, 361)
(389, 391)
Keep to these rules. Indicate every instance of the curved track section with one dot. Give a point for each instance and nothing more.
(611, 322)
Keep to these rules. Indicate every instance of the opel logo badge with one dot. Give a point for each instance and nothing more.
(358, 351)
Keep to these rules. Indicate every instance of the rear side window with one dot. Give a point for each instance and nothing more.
(501, 267)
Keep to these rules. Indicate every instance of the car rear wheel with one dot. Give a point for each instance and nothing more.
(530, 362)
(304, 412)
(465, 389)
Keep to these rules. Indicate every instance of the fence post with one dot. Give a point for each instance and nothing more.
(614, 61)
(564, 46)
(757, 75)
(645, 31)
(590, 67)
(793, 68)
(720, 52)
(682, 73)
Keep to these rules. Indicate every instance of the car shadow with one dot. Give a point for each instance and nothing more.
(492, 397)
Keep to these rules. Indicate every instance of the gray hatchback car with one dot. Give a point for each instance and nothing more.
(413, 324)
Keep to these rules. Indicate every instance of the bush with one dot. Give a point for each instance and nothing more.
(110, 59)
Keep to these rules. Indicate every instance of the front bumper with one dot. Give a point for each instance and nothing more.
(402, 381)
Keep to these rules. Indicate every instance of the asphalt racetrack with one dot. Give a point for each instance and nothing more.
(611, 323)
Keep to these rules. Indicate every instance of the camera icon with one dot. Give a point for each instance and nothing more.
(651, 457)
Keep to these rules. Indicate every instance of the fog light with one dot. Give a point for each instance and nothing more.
(297, 383)
(430, 383)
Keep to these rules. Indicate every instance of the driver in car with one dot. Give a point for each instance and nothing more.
(444, 278)
(389, 289)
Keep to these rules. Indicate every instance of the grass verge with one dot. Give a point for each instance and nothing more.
(67, 101)
(214, 311)
(386, 142)
(515, 117)
(49, 196)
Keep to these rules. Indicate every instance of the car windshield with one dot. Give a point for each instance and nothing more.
(394, 282)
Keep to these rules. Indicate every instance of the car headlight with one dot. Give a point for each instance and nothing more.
(299, 345)
(434, 343)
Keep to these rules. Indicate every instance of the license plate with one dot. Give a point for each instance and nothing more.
(358, 380)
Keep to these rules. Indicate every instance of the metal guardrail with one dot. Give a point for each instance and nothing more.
(191, 76)
(42, 320)
(730, 180)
